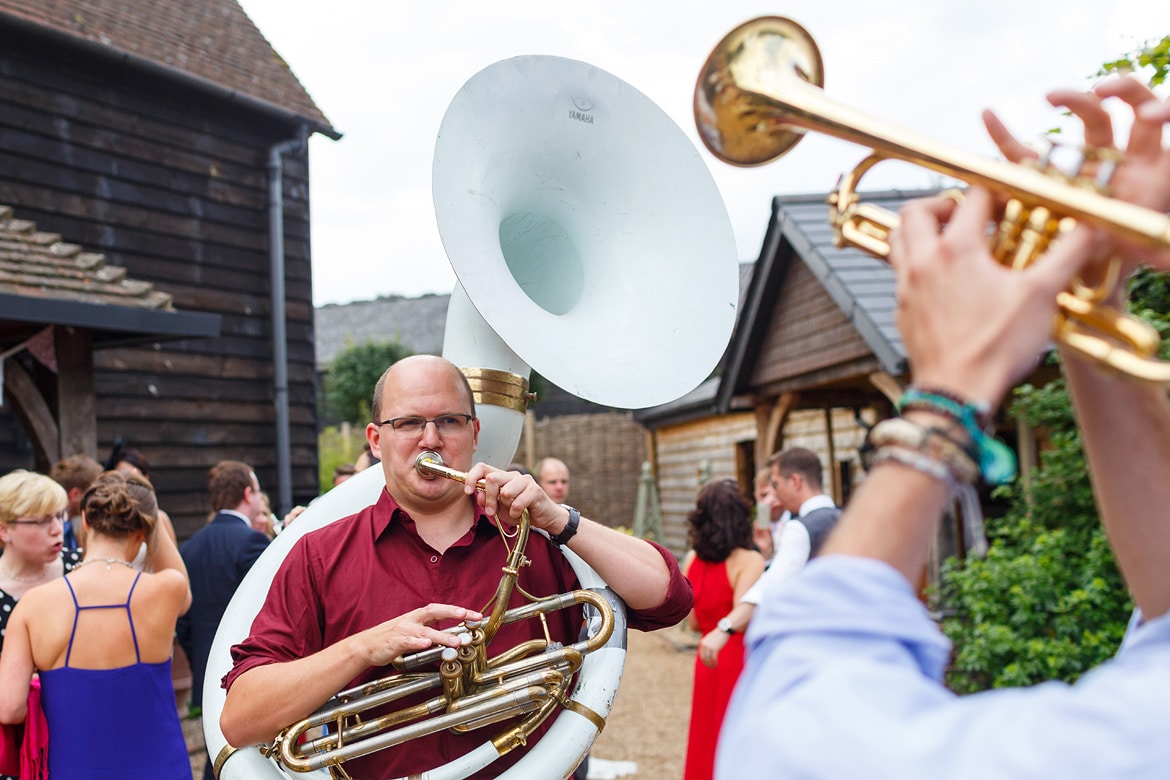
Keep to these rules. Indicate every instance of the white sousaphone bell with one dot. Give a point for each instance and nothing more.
(591, 244)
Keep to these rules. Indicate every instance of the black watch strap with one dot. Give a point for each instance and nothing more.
(570, 529)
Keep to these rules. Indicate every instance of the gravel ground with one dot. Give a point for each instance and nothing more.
(648, 722)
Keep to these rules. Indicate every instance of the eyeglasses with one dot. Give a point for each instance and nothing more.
(445, 424)
(45, 521)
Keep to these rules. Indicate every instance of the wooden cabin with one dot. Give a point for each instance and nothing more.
(814, 360)
(171, 140)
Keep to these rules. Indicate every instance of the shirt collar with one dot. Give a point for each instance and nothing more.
(240, 515)
(388, 509)
(816, 502)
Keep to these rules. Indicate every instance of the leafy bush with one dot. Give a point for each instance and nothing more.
(1047, 602)
(337, 445)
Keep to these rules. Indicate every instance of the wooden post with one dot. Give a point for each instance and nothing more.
(76, 421)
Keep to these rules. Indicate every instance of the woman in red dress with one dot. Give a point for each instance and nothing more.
(721, 565)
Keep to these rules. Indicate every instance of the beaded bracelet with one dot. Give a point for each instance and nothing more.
(917, 461)
(931, 442)
(997, 463)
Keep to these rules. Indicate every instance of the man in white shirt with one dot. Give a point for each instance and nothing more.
(796, 477)
(796, 481)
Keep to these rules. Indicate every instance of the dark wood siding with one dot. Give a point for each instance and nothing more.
(172, 185)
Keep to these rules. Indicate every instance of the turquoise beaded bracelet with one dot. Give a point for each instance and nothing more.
(997, 463)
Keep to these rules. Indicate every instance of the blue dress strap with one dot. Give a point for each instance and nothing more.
(124, 605)
(76, 614)
(129, 617)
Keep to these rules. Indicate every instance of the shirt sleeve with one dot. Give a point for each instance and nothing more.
(679, 599)
(790, 558)
(289, 626)
(847, 664)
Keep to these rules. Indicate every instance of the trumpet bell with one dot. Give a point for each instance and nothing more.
(736, 116)
(586, 230)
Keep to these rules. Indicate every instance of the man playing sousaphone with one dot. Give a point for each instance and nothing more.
(356, 594)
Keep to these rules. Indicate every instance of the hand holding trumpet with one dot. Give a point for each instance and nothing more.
(1143, 175)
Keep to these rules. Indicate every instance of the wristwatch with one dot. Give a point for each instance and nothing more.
(725, 626)
(570, 529)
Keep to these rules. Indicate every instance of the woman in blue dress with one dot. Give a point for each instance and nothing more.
(100, 639)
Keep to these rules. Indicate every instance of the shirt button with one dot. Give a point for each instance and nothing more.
(434, 559)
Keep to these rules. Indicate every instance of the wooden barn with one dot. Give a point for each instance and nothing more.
(815, 358)
(171, 140)
(815, 361)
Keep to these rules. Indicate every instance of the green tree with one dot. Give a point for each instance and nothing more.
(1151, 61)
(349, 384)
(1047, 601)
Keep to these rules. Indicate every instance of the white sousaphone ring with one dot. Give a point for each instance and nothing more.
(591, 244)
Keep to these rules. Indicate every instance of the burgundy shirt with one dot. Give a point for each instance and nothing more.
(373, 566)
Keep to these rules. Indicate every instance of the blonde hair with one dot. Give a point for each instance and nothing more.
(29, 494)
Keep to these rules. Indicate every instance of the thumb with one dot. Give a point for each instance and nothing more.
(1068, 257)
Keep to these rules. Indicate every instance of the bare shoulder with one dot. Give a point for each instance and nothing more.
(168, 583)
(745, 561)
(43, 596)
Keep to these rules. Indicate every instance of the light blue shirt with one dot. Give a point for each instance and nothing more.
(843, 681)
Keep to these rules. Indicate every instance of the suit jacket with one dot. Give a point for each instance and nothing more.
(217, 557)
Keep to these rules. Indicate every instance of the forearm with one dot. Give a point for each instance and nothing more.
(1125, 423)
(740, 615)
(266, 699)
(633, 568)
(892, 518)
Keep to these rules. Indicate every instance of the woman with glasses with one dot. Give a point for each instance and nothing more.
(100, 639)
(32, 508)
(32, 530)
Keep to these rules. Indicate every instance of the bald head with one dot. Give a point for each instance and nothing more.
(553, 477)
(412, 366)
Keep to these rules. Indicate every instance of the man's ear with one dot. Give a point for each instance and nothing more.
(374, 439)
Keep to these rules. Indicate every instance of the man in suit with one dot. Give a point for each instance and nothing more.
(217, 558)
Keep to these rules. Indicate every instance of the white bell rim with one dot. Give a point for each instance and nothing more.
(620, 280)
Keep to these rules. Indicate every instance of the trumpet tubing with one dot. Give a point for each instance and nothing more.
(760, 91)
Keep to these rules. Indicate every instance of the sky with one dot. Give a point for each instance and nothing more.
(385, 71)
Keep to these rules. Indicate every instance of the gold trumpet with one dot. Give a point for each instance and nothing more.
(760, 91)
(471, 690)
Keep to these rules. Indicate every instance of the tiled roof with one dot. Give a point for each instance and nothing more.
(35, 264)
(213, 41)
(47, 281)
(860, 285)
